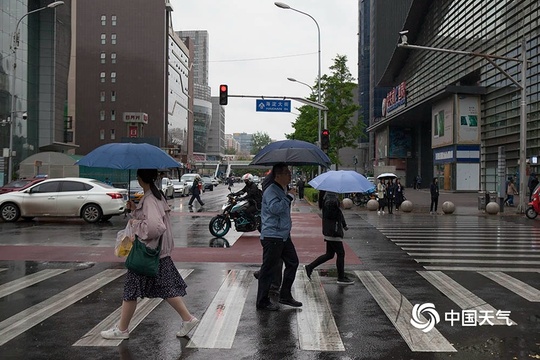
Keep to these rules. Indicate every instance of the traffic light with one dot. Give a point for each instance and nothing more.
(223, 94)
(325, 139)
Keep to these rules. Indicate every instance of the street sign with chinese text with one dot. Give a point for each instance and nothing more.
(273, 105)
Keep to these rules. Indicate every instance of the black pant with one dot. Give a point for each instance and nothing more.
(195, 196)
(273, 250)
(390, 204)
(332, 247)
(382, 204)
(434, 203)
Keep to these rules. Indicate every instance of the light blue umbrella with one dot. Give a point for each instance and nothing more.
(342, 182)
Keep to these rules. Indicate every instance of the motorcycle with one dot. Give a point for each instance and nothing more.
(234, 210)
(534, 205)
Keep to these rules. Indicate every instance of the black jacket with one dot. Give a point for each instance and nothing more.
(253, 193)
(434, 190)
(333, 219)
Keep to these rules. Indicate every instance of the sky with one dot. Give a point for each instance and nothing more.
(255, 46)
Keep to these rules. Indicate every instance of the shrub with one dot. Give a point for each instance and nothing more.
(311, 194)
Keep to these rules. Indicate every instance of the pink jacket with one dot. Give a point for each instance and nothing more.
(150, 220)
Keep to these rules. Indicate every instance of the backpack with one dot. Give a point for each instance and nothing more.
(331, 210)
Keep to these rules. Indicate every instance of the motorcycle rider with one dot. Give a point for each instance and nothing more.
(253, 195)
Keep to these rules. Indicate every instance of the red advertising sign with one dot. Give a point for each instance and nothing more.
(133, 131)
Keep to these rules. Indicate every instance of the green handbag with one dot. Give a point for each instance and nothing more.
(143, 260)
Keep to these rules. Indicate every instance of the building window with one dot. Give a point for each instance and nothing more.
(101, 134)
(113, 39)
(113, 115)
(102, 96)
(113, 76)
(103, 56)
(102, 76)
(102, 115)
(113, 134)
(113, 20)
(113, 95)
(103, 39)
(103, 20)
(113, 58)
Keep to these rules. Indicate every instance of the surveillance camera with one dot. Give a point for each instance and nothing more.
(25, 115)
(403, 37)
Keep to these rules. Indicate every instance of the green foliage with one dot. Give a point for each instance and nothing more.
(230, 151)
(258, 141)
(311, 194)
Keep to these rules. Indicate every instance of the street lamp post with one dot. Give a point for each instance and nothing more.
(300, 82)
(14, 46)
(522, 85)
(287, 7)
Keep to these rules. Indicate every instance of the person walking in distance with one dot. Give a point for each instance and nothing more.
(434, 190)
(390, 194)
(400, 194)
(276, 240)
(381, 191)
(510, 192)
(333, 225)
(196, 191)
(150, 222)
(301, 184)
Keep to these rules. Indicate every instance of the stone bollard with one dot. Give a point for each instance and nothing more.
(406, 206)
(448, 207)
(372, 205)
(347, 203)
(493, 208)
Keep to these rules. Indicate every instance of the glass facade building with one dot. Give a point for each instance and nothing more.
(444, 89)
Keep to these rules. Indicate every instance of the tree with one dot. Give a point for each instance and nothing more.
(230, 151)
(258, 141)
(337, 95)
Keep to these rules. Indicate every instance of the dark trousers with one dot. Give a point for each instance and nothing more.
(390, 204)
(434, 203)
(382, 204)
(273, 250)
(332, 247)
(196, 196)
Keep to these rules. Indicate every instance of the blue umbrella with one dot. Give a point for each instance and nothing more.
(128, 156)
(342, 182)
(291, 152)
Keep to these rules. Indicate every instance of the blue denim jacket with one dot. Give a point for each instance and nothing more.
(276, 213)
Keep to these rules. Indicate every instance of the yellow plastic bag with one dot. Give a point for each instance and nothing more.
(124, 242)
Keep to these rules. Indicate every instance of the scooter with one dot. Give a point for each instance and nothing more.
(534, 205)
(234, 210)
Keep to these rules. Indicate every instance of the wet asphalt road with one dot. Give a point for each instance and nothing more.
(363, 327)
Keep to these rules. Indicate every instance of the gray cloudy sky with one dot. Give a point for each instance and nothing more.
(255, 46)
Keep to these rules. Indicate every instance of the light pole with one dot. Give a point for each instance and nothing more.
(522, 85)
(300, 82)
(287, 7)
(14, 46)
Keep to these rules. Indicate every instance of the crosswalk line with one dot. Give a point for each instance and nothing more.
(144, 307)
(3, 269)
(464, 254)
(21, 322)
(317, 329)
(478, 268)
(471, 244)
(219, 324)
(468, 249)
(519, 287)
(474, 261)
(453, 240)
(28, 280)
(398, 310)
(464, 298)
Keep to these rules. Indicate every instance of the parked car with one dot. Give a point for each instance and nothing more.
(215, 181)
(207, 183)
(187, 179)
(89, 199)
(20, 184)
(136, 192)
(167, 187)
(179, 187)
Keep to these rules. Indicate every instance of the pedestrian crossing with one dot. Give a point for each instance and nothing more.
(465, 243)
(317, 329)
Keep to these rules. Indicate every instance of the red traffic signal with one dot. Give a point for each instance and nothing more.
(325, 139)
(223, 94)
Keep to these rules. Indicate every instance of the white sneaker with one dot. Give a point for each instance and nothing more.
(382, 212)
(379, 212)
(187, 326)
(115, 334)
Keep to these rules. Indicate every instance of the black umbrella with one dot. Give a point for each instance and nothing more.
(291, 152)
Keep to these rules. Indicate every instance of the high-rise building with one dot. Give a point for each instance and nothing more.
(215, 147)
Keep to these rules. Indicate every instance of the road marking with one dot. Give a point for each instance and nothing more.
(398, 310)
(28, 280)
(434, 246)
(317, 329)
(475, 255)
(470, 261)
(219, 324)
(452, 240)
(522, 289)
(21, 322)
(3, 269)
(478, 268)
(144, 307)
(463, 249)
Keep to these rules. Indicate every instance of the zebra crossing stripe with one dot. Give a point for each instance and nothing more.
(478, 268)
(463, 298)
(468, 249)
(29, 280)
(219, 324)
(434, 246)
(21, 322)
(144, 307)
(398, 310)
(3, 269)
(472, 261)
(452, 240)
(475, 255)
(317, 329)
(522, 289)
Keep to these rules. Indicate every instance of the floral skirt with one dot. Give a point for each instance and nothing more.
(167, 284)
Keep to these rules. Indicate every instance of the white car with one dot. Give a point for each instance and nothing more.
(167, 187)
(180, 188)
(187, 179)
(89, 199)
